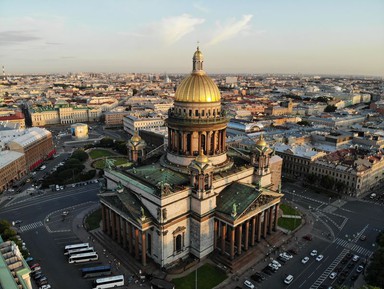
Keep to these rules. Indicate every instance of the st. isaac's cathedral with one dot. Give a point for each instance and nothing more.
(199, 197)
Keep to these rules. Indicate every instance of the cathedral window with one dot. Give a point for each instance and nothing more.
(178, 243)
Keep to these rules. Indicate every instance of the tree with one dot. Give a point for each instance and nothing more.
(81, 155)
(106, 142)
(330, 108)
(327, 182)
(311, 178)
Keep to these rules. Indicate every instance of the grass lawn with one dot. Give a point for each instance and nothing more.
(93, 220)
(208, 276)
(98, 153)
(288, 210)
(288, 223)
(100, 164)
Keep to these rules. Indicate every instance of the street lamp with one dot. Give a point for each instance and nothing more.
(295, 219)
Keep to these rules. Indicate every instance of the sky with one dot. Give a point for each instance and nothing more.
(158, 36)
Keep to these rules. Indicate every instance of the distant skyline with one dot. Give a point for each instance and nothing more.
(157, 36)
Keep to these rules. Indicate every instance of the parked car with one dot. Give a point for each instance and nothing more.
(359, 268)
(314, 253)
(319, 258)
(332, 275)
(288, 279)
(293, 251)
(305, 260)
(249, 284)
(285, 255)
(308, 237)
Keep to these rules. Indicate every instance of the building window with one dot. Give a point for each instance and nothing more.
(178, 243)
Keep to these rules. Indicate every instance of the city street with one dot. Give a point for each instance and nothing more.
(46, 232)
(338, 227)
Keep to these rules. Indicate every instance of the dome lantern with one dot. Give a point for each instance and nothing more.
(198, 60)
(197, 87)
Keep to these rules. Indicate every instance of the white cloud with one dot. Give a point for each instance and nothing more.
(167, 30)
(231, 29)
(174, 28)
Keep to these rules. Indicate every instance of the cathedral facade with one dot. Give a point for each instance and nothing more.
(199, 197)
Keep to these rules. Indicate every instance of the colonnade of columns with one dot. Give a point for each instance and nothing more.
(184, 143)
(246, 234)
(124, 233)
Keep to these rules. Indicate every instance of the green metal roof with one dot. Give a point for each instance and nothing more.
(156, 174)
(129, 204)
(243, 195)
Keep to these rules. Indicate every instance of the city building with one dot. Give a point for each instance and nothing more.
(64, 113)
(133, 123)
(354, 172)
(297, 159)
(16, 118)
(36, 144)
(14, 271)
(115, 118)
(12, 168)
(198, 198)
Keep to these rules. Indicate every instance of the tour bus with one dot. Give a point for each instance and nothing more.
(90, 272)
(108, 282)
(75, 246)
(81, 251)
(85, 257)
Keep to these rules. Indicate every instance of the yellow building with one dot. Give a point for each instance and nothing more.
(36, 144)
(12, 168)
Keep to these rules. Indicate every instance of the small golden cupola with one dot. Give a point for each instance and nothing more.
(136, 148)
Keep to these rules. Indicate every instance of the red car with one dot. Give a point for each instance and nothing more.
(307, 237)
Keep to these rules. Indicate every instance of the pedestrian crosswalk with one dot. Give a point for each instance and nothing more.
(353, 247)
(328, 271)
(31, 226)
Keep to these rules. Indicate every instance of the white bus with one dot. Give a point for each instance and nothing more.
(81, 251)
(75, 246)
(85, 257)
(108, 282)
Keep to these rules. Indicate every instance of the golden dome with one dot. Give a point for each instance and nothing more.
(202, 158)
(261, 142)
(135, 137)
(198, 87)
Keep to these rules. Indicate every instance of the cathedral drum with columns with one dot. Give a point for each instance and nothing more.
(199, 197)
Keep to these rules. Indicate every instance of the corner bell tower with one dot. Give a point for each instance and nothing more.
(260, 158)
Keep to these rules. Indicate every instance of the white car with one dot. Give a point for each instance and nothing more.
(285, 255)
(288, 279)
(47, 286)
(249, 284)
(332, 275)
(355, 258)
(276, 263)
(273, 266)
(305, 260)
(314, 253)
(319, 258)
